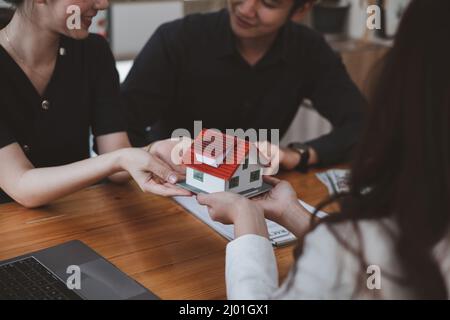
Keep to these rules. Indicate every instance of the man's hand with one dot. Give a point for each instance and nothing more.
(286, 158)
(171, 152)
(289, 159)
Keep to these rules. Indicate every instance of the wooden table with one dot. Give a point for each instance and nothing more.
(152, 239)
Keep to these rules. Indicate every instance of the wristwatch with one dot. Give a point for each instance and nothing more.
(303, 150)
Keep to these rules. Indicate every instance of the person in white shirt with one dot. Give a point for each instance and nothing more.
(390, 239)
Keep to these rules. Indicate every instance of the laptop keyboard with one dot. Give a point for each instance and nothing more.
(28, 279)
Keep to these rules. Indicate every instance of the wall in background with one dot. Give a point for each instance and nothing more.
(133, 23)
(195, 6)
(100, 24)
(356, 27)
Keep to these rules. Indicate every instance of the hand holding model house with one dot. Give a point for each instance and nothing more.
(217, 162)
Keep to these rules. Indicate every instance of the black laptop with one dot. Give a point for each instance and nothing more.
(70, 271)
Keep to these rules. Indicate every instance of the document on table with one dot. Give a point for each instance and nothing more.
(278, 235)
(336, 180)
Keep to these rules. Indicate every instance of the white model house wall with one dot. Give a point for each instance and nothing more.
(210, 183)
(244, 179)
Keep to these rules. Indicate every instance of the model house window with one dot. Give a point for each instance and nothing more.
(254, 176)
(234, 182)
(245, 166)
(198, 175)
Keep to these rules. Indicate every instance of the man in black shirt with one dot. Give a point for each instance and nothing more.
(246, 67)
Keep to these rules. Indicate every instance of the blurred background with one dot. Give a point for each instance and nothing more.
(129, 24)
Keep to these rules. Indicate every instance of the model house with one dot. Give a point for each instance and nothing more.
(217, 162)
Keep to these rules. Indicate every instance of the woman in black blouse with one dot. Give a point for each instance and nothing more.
(58, 84)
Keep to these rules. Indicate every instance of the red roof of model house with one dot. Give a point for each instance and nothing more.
(217, 154)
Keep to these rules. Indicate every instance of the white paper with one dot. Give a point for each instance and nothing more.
(311, 209)
(278, 235)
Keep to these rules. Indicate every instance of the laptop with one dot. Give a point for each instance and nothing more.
(69, 271)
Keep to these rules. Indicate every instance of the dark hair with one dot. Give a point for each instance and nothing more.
(401, 168)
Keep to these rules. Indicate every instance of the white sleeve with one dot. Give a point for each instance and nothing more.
(251, 268)
(325, 270)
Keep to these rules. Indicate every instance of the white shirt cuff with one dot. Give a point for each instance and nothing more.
(251, 268)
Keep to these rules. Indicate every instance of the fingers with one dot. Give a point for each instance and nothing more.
(273, 153)
(219, 200)
(221, 206)
(162, 170)
(272, 169)
(171, 152)
(259, 197)
(176, 191)
(210, 199)
(171, 158)
(177, 149)
(166, 189)
(271, 180)
(180, 170)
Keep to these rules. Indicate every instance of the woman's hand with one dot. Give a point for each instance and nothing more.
(151, 173)
(281, 206)
(231, 208)
(223, 207)
(278, 200)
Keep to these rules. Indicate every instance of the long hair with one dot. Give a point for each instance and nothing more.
(401, 167)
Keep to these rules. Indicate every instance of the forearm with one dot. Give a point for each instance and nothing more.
(292, 158)
(112, 142)
(123, 176)
(120, 177)
(250, 222)
(336, 146)
(40, 186)
(296, 219)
